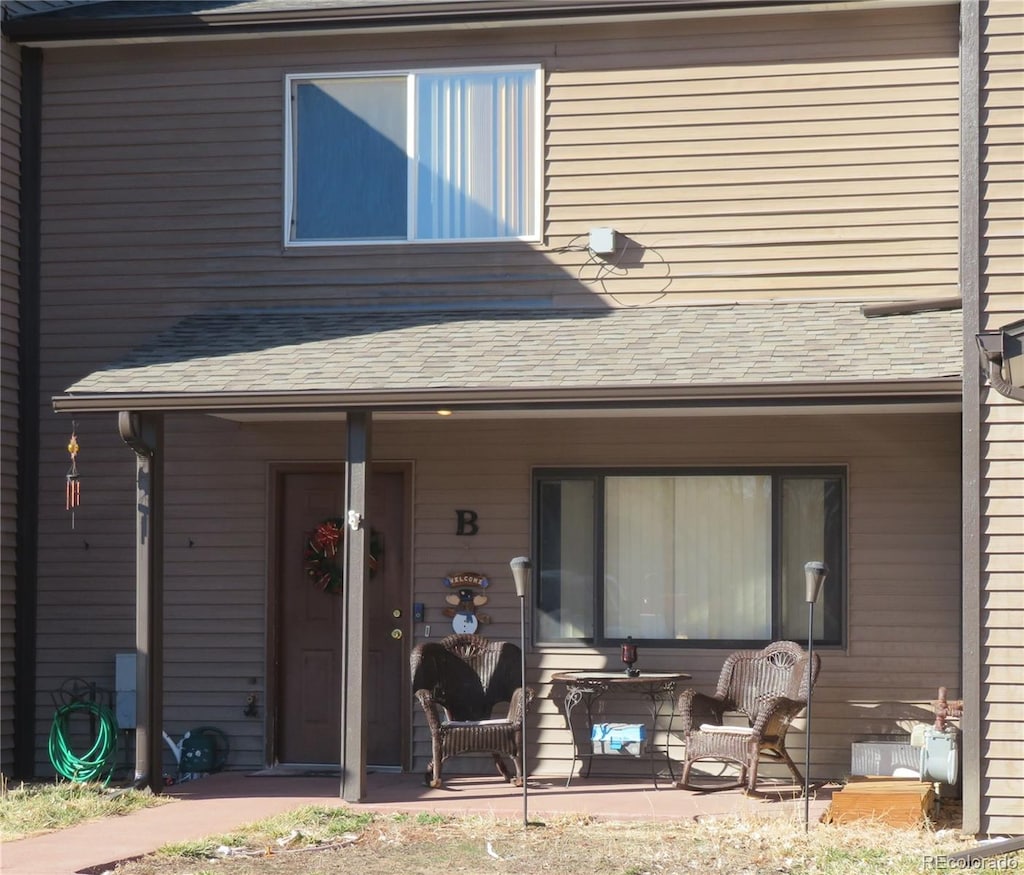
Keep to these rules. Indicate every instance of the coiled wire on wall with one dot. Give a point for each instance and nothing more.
(97, 763)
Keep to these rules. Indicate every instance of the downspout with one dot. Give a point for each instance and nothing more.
(992, 365)
(144, 434)
(26, 567)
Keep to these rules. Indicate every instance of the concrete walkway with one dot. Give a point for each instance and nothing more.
(221, 803)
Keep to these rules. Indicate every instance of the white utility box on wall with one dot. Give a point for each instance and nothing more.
(602, 241)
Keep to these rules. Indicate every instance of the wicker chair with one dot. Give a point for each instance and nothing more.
(458, 681)
(769, 687)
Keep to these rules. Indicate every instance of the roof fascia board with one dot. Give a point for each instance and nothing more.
(50, 32)
(717, 410)
(508, 398)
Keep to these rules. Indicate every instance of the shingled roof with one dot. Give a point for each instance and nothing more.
(304, 357)
(52, 21)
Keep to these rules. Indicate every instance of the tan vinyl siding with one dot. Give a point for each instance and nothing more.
(1002, 426)
(767, 178)
(10, 168)
(748, 158)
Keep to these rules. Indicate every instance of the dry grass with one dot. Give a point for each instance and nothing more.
(330, 841)
(33, 808)
(325, 841)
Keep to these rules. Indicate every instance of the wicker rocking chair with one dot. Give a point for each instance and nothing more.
(458, 682)
(769, 687)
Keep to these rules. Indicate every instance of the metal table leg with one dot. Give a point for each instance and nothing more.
(656, 698)
(573, 696)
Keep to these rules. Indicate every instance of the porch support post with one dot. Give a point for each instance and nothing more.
(144, 434)
(355, 612)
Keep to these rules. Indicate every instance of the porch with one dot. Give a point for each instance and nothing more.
(228, 559)
(606, 798)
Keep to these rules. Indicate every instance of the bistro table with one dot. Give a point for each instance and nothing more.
(586, 687)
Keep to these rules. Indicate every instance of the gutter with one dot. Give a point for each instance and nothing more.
(80, 29)
(907, 308)
(521, 399)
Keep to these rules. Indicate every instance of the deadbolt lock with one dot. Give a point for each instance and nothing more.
(396, 613)
(396, 634)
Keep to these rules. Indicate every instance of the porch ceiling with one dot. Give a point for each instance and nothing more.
(414, 359)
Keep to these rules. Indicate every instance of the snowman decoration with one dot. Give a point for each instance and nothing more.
(465, 600)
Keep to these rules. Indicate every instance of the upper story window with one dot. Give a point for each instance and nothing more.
(688, 557)
(413, 155)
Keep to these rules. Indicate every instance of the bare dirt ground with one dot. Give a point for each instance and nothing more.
(324, 842)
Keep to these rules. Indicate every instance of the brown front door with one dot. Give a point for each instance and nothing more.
(309, 628)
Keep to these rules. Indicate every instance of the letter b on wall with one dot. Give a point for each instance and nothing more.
(467, 524)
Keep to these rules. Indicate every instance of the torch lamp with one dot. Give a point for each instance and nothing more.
(521, 568)
(815, 574)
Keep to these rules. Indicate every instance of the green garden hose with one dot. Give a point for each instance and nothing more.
(97, 764)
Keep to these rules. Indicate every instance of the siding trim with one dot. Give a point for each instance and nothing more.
(971, 668)
(27, 535)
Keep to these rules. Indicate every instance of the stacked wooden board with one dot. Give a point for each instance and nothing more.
(897, 802)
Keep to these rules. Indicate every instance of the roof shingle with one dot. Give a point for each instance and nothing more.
(298, 352)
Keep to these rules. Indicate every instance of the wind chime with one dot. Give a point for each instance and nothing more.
(73, 487)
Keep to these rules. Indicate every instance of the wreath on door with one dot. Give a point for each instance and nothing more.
(322, 549)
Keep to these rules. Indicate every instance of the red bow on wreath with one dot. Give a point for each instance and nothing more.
(327, 537)
(321, 551)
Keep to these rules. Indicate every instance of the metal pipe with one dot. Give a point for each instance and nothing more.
(815, 574)
(521, 567)
(807, 731)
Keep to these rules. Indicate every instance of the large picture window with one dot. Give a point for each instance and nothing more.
(687, 557)
(413, 155)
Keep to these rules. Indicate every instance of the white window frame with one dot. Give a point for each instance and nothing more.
(410, 75)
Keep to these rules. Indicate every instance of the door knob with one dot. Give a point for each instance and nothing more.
(396, 634)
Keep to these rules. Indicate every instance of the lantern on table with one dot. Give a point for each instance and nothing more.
(629, 656)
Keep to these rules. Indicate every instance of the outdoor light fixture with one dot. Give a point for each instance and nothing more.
(815, 574)
(444, 412)
(1002, 358)
(521, 568)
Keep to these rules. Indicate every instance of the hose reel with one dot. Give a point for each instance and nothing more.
(77, 698)
(202, 750)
